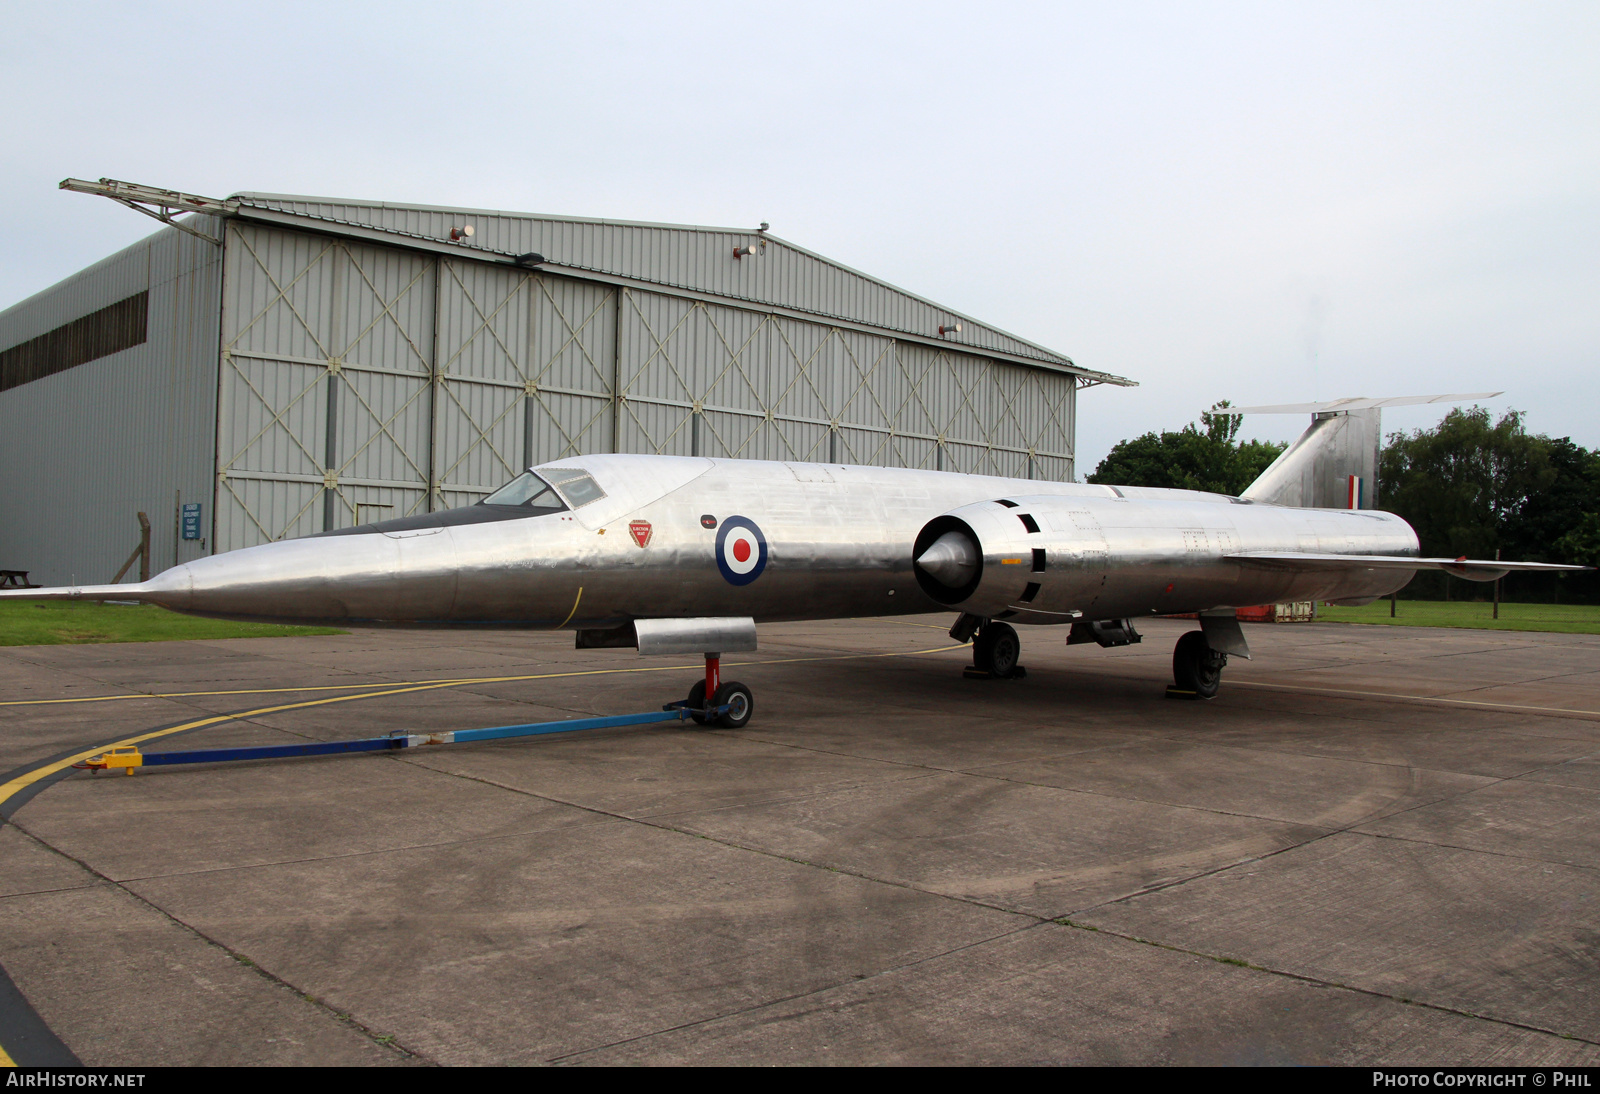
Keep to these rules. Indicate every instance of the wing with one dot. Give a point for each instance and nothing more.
(1473, 569)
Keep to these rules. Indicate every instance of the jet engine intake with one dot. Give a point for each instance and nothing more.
(984, 558)
(948, 559)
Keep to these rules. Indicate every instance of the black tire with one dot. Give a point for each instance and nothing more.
(1196, 666)
(997, 650)
(697, 701)
(741, 704)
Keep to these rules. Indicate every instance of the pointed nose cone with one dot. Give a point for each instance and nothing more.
(371, 577)
(951, 560)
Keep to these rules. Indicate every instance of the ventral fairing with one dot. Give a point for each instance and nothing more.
(680, 555)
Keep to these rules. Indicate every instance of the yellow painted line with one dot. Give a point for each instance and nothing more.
(1414, 698)
(842, 656)
(6, 1061)
(9, 790)
(237, 691)
(406, 683)
(576, 601)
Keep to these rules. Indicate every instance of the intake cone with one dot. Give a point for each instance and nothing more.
(951, 560)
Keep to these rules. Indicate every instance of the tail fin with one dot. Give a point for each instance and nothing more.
(1316, 470)
(1334, 464)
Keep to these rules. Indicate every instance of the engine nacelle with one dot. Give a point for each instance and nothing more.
(983, 558)
(1054, 558)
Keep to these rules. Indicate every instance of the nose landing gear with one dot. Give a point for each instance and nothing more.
(733, 696)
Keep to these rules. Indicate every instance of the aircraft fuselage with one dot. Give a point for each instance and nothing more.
(680, 536)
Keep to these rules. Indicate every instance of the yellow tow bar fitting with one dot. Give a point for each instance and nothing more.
(128, 757)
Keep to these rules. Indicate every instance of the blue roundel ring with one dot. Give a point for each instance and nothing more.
(737, 532)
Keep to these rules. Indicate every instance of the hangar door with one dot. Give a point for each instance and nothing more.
(323, 408)
(525, 365)
(697, 378)
(360, 383)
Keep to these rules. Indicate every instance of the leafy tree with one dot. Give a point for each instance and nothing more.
(1465, 484)
(1207, 456)
(1560, 524)
(1582, 544)
(1471, 486)
(1560, 509)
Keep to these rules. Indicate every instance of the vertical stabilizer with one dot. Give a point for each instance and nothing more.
(1315, 471)
(1334, 463)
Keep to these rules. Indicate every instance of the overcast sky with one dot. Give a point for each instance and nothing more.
(1258, 202)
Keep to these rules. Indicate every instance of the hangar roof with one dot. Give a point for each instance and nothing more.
(679, 258)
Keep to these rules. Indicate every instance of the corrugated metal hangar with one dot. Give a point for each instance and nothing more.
(291, 365)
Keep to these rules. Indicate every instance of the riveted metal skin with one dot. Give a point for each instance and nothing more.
(838, 544)
(1161, 552)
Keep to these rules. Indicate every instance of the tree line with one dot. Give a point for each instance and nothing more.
(1470, 486)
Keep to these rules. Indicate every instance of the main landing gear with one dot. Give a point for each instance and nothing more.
(734, 696)
(995, 650)
(1196, 667)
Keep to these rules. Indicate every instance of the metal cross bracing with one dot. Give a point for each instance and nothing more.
(482, 375)
(325, 384)
(723, 381)
(529, 384)
(523, 377)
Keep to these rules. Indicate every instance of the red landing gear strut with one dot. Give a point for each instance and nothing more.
(714, 703)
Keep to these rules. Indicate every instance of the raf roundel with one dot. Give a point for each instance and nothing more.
(741, 550)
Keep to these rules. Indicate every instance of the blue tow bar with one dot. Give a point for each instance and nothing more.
(130, 757)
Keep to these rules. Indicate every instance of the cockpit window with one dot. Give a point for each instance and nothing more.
(529, 491)
(574, 483)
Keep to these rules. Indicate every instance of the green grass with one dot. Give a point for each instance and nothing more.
(1560, 618)
(52, 622)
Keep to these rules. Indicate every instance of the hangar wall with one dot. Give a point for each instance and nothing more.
(86, 449)
(331, 364)
(360, 381)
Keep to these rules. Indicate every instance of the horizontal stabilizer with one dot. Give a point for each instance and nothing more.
(1358, 404)
(1472, 569)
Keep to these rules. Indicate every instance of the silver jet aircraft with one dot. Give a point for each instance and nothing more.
(680, 555)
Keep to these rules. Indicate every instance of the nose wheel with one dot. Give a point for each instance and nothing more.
(1196, 667)
(736, 697)
(740, 703)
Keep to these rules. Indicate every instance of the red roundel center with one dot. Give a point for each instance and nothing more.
(741, 550)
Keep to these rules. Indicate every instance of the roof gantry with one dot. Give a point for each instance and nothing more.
(743, 266)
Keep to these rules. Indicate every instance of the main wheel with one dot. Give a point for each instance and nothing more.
(1196, 666)
(740, 703)
(697, 701)
(997, 650)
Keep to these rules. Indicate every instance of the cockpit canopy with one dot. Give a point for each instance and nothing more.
(549, 489)
(528, 491)
(530, 494)
(574, 483)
